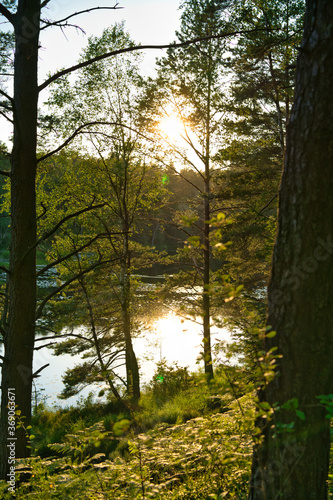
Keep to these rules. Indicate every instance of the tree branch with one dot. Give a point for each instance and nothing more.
(189, 141)
(7, 117)
(65, 19)
(44, 211)
(7, 173)
(3, 333)
(69, 255)
(42, 346)
(6, 107)
(7, 96)
(65, 219)
(66, 335)
(183, 176)
(35, 375)
(78, 131)
(65, 25)
(267, 204)
(68, 282)
(56, 227)
(8, 15)
(4, 269)
(83, 64)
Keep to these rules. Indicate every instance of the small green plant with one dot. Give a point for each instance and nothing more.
(168, 381)
(20, 424)
(327, 401)
(81, 445)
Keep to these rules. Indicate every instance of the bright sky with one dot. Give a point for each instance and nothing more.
(148, 22)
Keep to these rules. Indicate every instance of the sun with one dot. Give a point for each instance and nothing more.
(171, 127)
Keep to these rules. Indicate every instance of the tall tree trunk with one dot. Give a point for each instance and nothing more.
(206, 292)
(209, 372)
(19, 336)
(294, 465)
(132, 367)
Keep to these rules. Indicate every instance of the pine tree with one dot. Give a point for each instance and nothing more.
(262, 59)
(190, 85)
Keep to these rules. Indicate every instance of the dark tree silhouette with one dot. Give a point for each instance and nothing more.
(291, 462)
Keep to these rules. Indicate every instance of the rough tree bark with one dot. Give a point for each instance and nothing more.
(294, 465)
(19, 336)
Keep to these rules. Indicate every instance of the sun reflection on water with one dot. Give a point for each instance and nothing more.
(180, 339)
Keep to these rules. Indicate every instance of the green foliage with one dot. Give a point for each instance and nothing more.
(262, 62)
(116, 192)
(195, 459)
(6, 60)
(95, 253)
(51, 426)
(199, 456)
(169, 380)
(5, 204)
(177, 446)
(80, 445)
(121, 426)
(327, 402)
(105, 109)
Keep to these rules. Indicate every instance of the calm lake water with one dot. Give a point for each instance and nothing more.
(171, 336)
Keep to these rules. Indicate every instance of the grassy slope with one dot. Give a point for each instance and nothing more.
(177, 447)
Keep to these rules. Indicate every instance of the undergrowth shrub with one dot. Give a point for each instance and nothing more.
(196, 445)
(175, 396)
(52, 425)
(204, 458)
(207, 457)
(168, 381)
